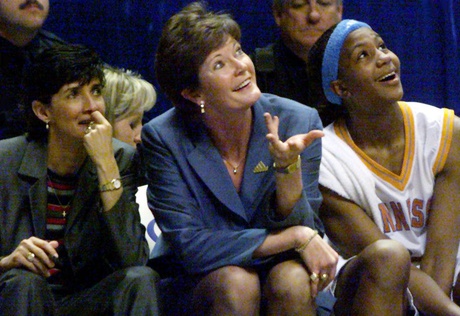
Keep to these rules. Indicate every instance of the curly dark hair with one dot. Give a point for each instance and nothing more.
(51, 70)
(186, 40)
(328, 111)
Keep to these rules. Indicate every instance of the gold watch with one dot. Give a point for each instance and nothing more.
(115, 184)
(289, 169)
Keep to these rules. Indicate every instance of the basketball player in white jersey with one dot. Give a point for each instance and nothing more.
(390, 169)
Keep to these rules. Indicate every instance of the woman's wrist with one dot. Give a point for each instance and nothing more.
(303, 234)
(288, 168)
(304, 246)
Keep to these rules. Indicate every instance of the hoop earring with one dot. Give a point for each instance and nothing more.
(202, 107)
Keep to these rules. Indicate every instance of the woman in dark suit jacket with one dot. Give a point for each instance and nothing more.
(71, 240)
(233, 179)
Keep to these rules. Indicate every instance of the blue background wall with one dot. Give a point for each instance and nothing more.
(425, 34)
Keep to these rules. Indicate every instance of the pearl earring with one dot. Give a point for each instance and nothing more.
(47, 125)
(202, 107)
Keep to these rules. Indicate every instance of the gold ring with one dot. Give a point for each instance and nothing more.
(324, 277)
(314, 277)
(30, 257)
(90, 127)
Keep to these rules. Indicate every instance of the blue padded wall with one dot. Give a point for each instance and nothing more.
(423, 33)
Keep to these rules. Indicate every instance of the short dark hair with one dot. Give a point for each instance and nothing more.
(328, 111)
(186, 40)
(51, 70)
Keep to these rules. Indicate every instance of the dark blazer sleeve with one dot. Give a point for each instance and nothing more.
(99, 243)
(123, 236)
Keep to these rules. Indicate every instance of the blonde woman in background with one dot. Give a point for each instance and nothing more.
(127, 96)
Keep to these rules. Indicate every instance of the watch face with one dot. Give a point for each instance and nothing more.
(117, 184)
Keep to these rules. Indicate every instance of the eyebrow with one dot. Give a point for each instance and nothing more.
(236, 43)
(72, 86)
(376, 36)
(214, 57)
(77, 85)
(97, 83)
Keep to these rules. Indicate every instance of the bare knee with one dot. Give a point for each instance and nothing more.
(287, 290)
(388, 261)
(228, 290)
(287, 279)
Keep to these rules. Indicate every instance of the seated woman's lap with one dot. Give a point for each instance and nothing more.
(184, 289)
(285, 281)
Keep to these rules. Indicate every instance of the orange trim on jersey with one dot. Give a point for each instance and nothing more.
(446, 141)
(398, 181)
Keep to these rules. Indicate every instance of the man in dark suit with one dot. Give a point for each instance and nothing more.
(281, 66)
(21, 39)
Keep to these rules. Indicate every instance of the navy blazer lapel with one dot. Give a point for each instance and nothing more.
(258, 171)
(33, 166)
(207, 163)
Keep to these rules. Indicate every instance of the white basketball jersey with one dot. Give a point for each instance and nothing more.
(406, 197)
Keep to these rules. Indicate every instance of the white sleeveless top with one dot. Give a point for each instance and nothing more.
(398, 204)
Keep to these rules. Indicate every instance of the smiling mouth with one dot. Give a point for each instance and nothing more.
(388, 77)
(243, 85)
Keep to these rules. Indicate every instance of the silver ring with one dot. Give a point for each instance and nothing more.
(324, 277)
(314, 277)
(30, 257)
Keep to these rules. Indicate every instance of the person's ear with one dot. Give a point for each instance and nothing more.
(41, 111)
(192, 95)
(340, 89)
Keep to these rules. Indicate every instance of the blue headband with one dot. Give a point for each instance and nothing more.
(330, 67)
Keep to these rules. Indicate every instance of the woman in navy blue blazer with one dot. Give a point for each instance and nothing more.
(233, 179)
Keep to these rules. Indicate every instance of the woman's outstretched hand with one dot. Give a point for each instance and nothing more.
(285, 153)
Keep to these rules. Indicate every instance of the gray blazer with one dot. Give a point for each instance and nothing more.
(97, 242)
